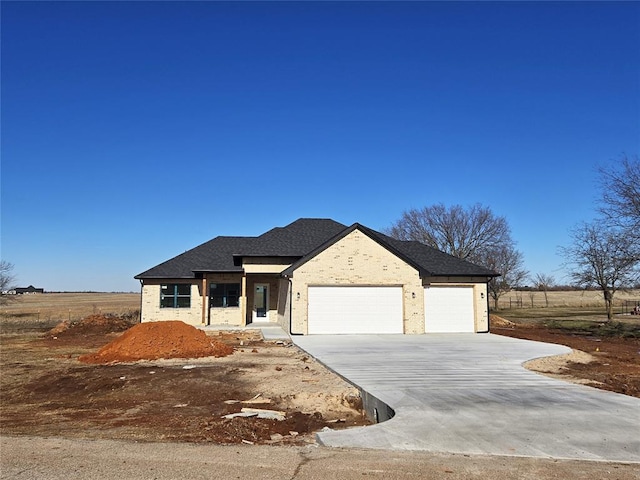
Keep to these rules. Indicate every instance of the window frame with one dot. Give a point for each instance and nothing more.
(228, 288)
(176, 297)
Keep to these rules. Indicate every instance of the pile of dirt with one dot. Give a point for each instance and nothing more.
(154, 340)
(92, 325)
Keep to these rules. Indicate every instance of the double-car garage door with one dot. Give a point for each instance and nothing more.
(356, 310)
(352, 310)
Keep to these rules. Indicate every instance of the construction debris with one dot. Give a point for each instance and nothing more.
(258, 413)
(256, 400)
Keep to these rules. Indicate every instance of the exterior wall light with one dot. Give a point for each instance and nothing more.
(298, 296)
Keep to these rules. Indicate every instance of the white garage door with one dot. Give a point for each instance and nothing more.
(448, 309)
(352, 310)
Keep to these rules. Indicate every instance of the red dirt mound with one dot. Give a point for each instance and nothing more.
(150, 341)
(92, 325)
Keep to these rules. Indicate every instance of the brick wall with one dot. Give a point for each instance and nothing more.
(151, 311)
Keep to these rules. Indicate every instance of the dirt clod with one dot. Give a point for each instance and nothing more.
(497, 321)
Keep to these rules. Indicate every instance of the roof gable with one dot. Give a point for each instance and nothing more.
(342, 234)
(428, 261)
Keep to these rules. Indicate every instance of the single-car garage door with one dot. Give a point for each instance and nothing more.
(448, 309)
(352, 310)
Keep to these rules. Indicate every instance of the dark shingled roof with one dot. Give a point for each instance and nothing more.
(217, 255)
(214, 255)
(430, 261)
(296, 239)
(304, 239)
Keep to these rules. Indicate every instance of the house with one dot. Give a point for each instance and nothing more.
(27, 290)
(317, 276)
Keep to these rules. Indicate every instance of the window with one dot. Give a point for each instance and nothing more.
(175, 295)
(222, 295)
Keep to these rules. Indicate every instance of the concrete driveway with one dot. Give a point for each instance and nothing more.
(468, 393)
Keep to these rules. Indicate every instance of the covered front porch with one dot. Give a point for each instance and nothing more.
(243, 299)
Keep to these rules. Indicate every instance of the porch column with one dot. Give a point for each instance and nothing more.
(204, 299)
(243, 300)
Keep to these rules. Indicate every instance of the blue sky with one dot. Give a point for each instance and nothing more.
(133, 131)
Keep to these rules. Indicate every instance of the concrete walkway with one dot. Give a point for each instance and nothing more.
(468, 393)
(269, 331)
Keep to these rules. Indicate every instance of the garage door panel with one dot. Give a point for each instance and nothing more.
(354, 310)
(449, 310)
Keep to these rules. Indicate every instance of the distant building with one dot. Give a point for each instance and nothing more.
(27, 290)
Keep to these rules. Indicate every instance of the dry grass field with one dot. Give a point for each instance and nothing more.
(564, 305)
(576, 299)
(52, 308)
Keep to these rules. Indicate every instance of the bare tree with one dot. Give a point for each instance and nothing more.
(543, 282)
(620, 202)
(604, 257)
(464, 233)
(6, 280)
(508, 262)
(532, 296)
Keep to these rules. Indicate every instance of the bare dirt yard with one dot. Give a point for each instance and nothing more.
(605, 354)
(47, 391)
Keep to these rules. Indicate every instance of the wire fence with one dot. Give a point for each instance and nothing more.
(625, 302)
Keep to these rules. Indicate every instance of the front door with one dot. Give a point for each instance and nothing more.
(260, 303)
